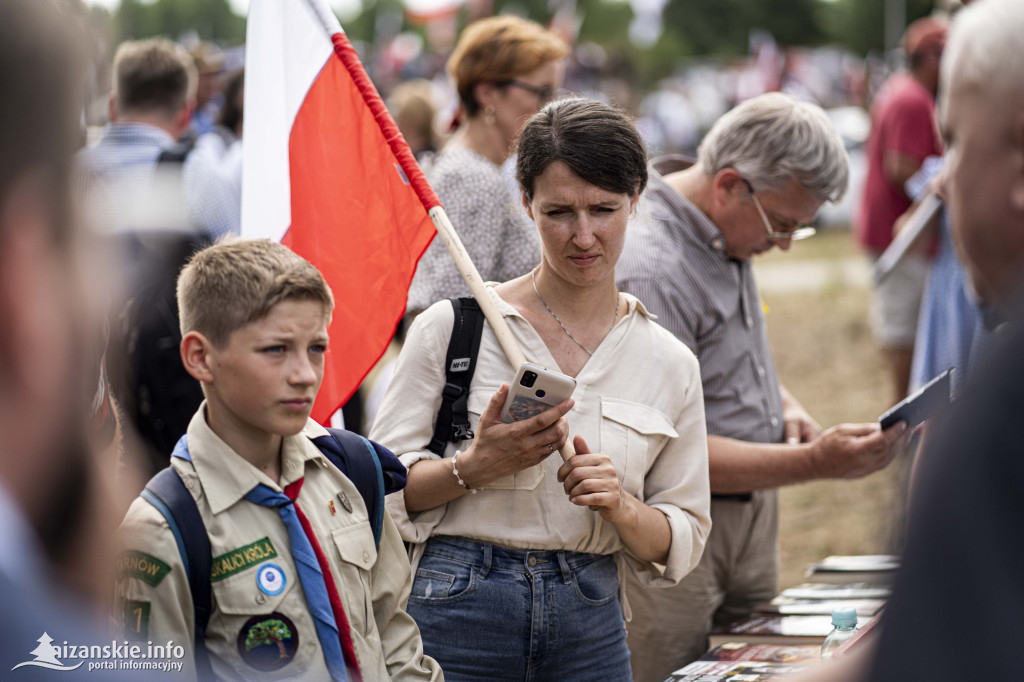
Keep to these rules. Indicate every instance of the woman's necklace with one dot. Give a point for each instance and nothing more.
(615, 314)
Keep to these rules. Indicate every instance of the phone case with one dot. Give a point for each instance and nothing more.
(548, 388)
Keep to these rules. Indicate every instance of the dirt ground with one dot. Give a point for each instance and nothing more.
(827, 358)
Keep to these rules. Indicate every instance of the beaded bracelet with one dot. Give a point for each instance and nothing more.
(456, 474)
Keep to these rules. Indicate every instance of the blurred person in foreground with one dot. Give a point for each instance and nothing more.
(903, 135)
(505, 69)
(761, 175)
(519, 555)
(954, 613)
(52, 486)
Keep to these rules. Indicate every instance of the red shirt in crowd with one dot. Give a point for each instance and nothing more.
(902, 120)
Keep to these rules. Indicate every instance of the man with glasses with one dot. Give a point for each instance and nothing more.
(761, 175)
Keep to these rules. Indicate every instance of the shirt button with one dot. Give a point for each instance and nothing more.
(532, 561)
(750, 321)
(717, 244)
(366, 557)
(775, 421)
(760, 372)
(261, 598)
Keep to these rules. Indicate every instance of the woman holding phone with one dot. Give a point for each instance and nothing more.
(518, 554)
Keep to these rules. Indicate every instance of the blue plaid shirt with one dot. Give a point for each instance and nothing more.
(121, 165)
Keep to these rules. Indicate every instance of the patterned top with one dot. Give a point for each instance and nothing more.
(675, 262)
(501, 239)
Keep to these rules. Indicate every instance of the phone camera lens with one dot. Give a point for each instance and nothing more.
(529, 378)
(541, 393)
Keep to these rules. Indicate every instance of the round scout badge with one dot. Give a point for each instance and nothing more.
(270, 579)
(268, 642)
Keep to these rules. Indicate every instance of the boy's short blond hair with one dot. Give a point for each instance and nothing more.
(237, 281)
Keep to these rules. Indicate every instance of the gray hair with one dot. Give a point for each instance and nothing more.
(984, 48)
(772, 139)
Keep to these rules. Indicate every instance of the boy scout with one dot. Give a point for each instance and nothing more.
(254, 322)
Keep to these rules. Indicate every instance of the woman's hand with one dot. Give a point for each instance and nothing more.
(501, 449)
(590, 480)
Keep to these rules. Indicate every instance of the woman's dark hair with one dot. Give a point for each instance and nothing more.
(231, 114)
(598, 142)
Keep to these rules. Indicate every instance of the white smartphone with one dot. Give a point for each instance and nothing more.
(535, 390)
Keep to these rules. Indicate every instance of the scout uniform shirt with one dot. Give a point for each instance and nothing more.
(260, 626)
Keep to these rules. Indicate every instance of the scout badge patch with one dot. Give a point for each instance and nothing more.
(268, 642)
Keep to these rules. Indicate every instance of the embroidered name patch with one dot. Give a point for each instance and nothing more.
(268, 642)
(240, 559)
(141, 565)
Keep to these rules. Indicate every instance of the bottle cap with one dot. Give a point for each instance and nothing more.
(844, 616)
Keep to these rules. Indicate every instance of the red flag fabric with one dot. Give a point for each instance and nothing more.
(327, 173)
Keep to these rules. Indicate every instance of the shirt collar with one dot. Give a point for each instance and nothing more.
(508, 310)
(134, 132)
(226, 476)
(703, 228)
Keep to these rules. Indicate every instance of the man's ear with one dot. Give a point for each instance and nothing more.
(183, 118)
(196, 351)
(725, 183)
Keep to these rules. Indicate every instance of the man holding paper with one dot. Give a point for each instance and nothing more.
(763, 171)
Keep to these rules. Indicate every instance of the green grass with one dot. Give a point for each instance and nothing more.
(827, 358)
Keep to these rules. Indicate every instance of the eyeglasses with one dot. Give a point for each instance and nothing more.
(796, 235)
(545, 93)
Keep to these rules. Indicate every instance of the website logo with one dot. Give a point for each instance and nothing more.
(124, 655)
(46, 656)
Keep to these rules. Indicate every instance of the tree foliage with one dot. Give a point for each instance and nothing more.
(209, 19)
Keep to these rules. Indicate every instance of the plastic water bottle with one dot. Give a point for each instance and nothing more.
(844, 620)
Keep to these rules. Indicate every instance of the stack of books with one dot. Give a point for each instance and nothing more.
(748, 662)
(785, 635)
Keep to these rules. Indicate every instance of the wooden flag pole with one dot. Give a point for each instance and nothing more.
(476, 287)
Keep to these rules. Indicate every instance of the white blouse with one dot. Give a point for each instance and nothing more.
(638, 400)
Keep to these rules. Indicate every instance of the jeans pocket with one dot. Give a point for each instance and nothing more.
(597, 582)
(452, 582)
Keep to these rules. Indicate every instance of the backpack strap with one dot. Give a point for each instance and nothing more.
(373, 469)
(167, 492)
(452, 422)
(177, 153)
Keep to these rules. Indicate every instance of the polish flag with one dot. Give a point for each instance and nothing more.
(327, 173)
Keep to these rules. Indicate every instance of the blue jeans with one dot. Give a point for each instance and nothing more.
(492, 613)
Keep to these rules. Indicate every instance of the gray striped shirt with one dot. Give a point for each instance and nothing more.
(675, 262)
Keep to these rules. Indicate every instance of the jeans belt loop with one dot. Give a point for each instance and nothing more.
(485, 566)
(564, 566)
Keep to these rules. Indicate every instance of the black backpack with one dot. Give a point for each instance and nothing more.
(373, 469)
